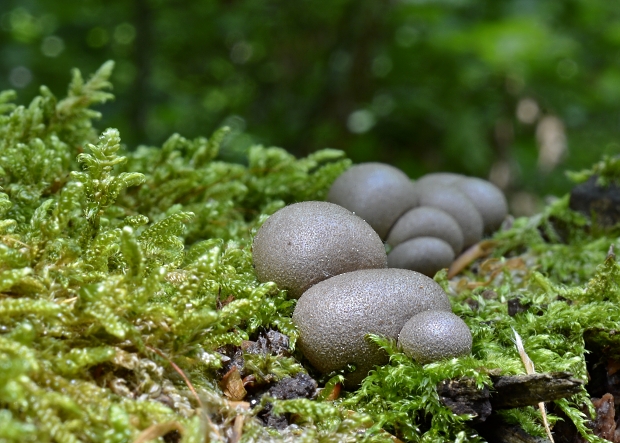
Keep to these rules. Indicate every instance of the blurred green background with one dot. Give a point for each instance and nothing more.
(517, 90)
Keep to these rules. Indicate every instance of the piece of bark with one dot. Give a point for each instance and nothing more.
(602, 202)
(605, 424)
(602, 426)
(463, 397)
(516, 307)
(515, 391)
(509, 391)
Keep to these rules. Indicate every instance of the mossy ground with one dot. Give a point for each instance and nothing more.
(123, 274)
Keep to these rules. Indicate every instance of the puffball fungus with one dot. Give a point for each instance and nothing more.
(488, 199)
(335, 315)
(305, 243)
(435, 335)
(422, 254)
(377, 192)
(455, 203)
(426, 221)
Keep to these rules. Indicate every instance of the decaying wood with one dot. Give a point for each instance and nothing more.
(591, 199)
(509, 391)
(462, 396)
(495, 430)
(515, 391)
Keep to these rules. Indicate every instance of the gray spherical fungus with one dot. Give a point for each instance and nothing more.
(335, 315)
(455, 203)
(307, 242)
(488, 199)
(435, 335)
(377, 192)
(426, 221)
(436, 179)
(426, 255)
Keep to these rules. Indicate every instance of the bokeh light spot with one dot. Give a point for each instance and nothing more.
(97, 37)
(124, 33)
(527, 111)
(360, 121)
(20, 77)
(52, 46)
(241, 52)
(215, 100)
(23, 25)
(381, 65)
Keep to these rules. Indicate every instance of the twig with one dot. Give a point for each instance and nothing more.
(481, 249)
(189, 385)
(159, 430)
(529, 368)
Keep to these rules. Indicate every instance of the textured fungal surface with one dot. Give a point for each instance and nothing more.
(458, 205)
(426, 255)
(435, 335)
(426, 221)
(335, 315)
(438, 179)
(305, 243)
(488, 199)
(377, 192)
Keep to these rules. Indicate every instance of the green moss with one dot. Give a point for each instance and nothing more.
(123, 272)
(607, 172)
(111, 259)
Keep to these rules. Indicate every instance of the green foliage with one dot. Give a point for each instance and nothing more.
(425, 85)
(560, 243)
(111, 260)
(123, 274)
(607, 172)
(401, 396)
(570, 286)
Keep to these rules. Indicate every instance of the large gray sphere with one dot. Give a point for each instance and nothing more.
(426, 221)
(458, 205)
(307, 242)
(488, 199)
(377, 192)
(435, 335)
(426, 255)
(334, 316)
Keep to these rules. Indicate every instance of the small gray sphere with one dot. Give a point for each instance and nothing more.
(335, 315)
(436, 179)
(426, 221)
(458, 205)
(426, 255)
(377, 192)
(488, 199)
(435, 335)
(307, 242)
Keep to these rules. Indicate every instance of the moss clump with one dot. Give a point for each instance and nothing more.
(119, 271)
(123, 275)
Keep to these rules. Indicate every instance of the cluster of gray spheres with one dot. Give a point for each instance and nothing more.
(336, 265)
(427, 223)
